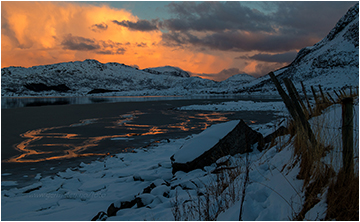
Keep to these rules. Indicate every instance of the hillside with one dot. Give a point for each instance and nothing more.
(333, 62)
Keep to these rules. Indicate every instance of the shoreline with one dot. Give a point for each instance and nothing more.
(19, 120)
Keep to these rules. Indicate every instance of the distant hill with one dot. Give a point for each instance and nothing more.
(93, 77)
(168, 70)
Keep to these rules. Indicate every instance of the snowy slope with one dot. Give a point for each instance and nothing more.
(236, 82)
(167, 70)
(333, 62)
(145, 177)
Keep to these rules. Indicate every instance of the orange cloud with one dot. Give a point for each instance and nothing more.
(38, 33)
(251, 67)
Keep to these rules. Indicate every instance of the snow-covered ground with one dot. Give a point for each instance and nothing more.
(272, 193)
(240, 105)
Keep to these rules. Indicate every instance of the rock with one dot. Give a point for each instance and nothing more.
(279, 132)
(111, 211)
(102, 91)
(144, 199)
(239, 140)
(101, 216)
(149, 188)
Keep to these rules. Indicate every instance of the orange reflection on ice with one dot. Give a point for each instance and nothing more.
(154, 130)
(212, 117)
(44, 144)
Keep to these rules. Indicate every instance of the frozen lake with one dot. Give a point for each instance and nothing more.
(49, 138)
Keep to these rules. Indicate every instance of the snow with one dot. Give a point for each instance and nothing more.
(202, 142)
(9, 183)
(239, 106)
(273, 191)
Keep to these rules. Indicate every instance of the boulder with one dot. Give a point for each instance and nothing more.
(102, 91)
(239, 140)
(101, 216)
(281, 131)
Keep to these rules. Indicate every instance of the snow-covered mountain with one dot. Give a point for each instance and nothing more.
(168, 70)
(80, 78)
(91, 77)
(333, 62)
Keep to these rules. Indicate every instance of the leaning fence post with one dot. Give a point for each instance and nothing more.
(325, 100)
(298, 116)
(348, 135)
(291, 84)
(303, 120)
(306, 98)
(289, 105)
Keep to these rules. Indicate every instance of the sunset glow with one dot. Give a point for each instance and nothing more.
(40, 33)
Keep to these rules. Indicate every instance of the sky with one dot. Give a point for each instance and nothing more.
(213, 40)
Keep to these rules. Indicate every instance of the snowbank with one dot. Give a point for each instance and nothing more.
(273, 191)
(203, 141)
(239, 106)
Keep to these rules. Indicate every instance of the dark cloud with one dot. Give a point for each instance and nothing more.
(141, 25)
(99, 27)
(310, 17)
(314, 17)
(105, 52)
(286, 57)
(231, 26)
(79, 43)
(141, 44)
(238, 41)
(215, 16)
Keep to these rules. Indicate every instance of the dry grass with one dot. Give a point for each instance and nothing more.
(343, 198)
(216, 196)
(319, 176)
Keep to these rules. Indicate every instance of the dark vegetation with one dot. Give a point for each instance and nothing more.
(40, 87)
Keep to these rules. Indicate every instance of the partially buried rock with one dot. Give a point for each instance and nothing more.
(279, 132)
(217, 141)
(101, 216)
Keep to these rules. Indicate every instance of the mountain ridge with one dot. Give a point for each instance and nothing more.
(323, 63)
(336, 54)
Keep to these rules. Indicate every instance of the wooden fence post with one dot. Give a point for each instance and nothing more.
(339, 97)
(331, 98)
(306, 98)
(298, 116)
(289, 105)
(303, 120)
(315, 96)
(325, 100)
(348, 135)
(291, 84)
